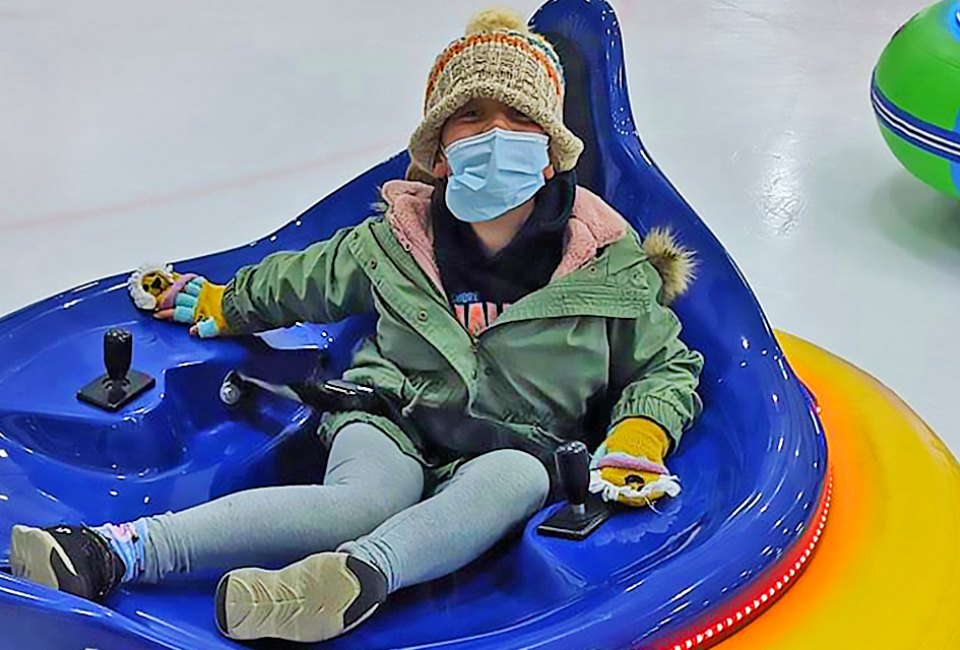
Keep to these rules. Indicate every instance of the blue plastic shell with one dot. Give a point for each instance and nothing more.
(752, 467)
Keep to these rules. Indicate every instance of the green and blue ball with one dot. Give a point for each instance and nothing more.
(916, 96)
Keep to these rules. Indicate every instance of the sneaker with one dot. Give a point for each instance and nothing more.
(315, 599)
(73, 559)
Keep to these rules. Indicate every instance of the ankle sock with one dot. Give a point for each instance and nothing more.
(128, 542)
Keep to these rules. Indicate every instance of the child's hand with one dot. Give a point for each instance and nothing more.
(195, 301)
(184, 298)
(628, 467)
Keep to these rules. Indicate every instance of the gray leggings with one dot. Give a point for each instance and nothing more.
(369, 506)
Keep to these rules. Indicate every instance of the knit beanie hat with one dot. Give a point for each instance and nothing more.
(499, 58)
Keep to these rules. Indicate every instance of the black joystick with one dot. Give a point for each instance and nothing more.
(584, 512)
(117, 353)
(573, 463)
(120, 385)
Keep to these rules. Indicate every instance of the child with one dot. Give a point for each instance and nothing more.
(509, 302)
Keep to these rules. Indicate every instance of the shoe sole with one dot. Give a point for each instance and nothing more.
(31, 556)
(304, 602)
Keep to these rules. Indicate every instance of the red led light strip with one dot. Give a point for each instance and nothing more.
(747, 608)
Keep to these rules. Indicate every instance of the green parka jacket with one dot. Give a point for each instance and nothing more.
(598, 333)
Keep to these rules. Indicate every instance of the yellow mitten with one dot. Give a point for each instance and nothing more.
(628, 467)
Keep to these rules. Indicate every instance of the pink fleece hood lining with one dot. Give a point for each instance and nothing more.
(592, 226)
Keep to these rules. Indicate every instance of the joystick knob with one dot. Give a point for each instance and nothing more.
(573, 465)
(117, 354)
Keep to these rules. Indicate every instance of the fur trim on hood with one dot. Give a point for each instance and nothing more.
(418, 175)
(676, 264)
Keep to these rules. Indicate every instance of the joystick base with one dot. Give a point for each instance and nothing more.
(102, 392)
(568, 523)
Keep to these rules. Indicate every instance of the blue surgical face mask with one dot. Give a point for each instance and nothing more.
(494, 172)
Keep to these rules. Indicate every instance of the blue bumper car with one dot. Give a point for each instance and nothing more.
(754, 467)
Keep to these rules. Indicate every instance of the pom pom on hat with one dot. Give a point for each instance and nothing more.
(496, 19)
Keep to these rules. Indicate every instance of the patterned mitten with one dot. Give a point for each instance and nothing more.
(183, 298)
(628, 467)
(149, 282)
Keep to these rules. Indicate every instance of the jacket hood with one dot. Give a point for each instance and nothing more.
(592, 226)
